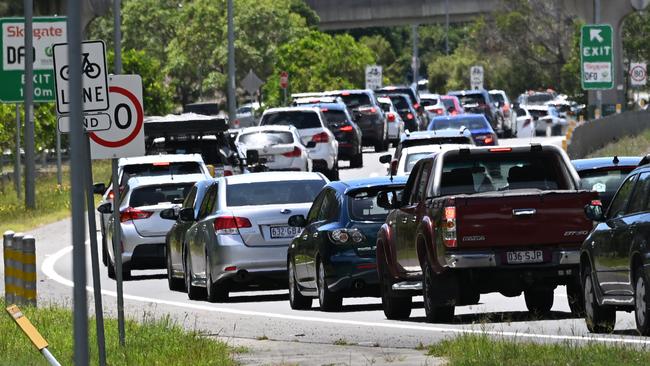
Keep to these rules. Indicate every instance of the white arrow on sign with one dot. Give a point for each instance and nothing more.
(594, 33)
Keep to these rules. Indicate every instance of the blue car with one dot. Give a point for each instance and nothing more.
(334, 255)
(478, 125)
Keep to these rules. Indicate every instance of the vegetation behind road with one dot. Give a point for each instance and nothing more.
(638, 145)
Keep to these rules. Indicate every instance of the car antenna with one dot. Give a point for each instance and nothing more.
(616, 160)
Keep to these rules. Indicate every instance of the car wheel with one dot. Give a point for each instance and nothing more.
(356, 161)
(328, 300)
(296, 300)
(379, 146)
(600, 319)
(334, 172)
(575, 297)
(214, 292)
(395, 308)
(642, 302)
(539, 301)
(175, 284)
(193, 292)
(433, 312)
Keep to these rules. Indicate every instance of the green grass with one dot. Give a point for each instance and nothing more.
(52, 200)
(627, 146)
(482, 350)
(149, 342)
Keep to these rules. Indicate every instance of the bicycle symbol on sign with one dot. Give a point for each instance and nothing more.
(90, 69)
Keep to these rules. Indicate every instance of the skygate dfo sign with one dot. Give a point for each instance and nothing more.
(597, 56)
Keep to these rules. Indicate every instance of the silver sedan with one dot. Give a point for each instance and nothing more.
(240, 238)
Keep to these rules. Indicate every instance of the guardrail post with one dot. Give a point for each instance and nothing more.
(7, 255)
(29, 270)
(16, 267)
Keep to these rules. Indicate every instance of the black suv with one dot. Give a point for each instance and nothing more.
(423, 119)
(615, 257)
(368, 114)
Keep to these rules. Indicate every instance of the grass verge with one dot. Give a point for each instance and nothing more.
(52, 200)
(149, 342)
(469, 349)
(638, 145)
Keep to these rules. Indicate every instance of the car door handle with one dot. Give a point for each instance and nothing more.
(523, 211)
(305, 237)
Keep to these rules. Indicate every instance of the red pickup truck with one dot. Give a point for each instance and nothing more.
(481, 220)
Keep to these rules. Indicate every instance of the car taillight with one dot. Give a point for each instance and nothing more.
(439, 111)
(227, 171)
(391, 117)
(295, 153)
(321, 137)
(346, 129)
(228, 225)
(416, 106)
(409, 116)
(134, 214)
(371, 110)
(596, 203)
(110, 195)
(449, 227)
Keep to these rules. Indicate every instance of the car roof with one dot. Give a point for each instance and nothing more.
(430, 148)
(253, 129)
(439, 133)
(272, 177)
(318, 99)
(467, 92)
(605, 162)
(162, 158)
(464, 117)
(334, 106)
(353, 185)
(291, 109)
(164, 179)
(429, 96)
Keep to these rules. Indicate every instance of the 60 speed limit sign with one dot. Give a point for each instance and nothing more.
(125, 137)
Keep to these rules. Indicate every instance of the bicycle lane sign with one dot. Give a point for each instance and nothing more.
(95, 92)
(125, 137)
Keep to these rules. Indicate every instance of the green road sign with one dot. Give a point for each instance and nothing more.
(597, 56)
(47, 31)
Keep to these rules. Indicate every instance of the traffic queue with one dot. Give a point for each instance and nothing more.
(455, 217)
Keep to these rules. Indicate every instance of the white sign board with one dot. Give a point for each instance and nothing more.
(92, 122)
(476, 77)
(93, 72)
(251, 82)
(125, 137)
(45, 35)
(638, 73)
(374, 78)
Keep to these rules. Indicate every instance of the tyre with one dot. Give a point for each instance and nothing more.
(356, 161)
(126, 274)
(395, 308)
(175, 284)
(214, 292)
(379, 146)
(642, 301)
(328, 300)
(434, 313)
(539, 301)
(600, 319)
(575, 297)
(333, 174)
(296, 300)
(193, 292)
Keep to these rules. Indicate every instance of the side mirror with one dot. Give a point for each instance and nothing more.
(105, 208)
(297, 221)
(594, 211)
(385, 159)
(169, 214)
(99, 188)
(387, 200)
(311, 145)
(186, 214)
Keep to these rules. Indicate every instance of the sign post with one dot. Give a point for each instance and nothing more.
(374, 78)
(476, 77)
(284, 84)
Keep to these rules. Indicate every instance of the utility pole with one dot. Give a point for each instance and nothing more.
(446, 27)
(415, 55)
(30, 162)
(232, 103)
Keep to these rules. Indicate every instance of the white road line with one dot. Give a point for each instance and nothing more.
(48, 269)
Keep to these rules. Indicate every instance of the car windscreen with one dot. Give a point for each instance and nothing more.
(335, 117)
(602, 180)
(355, 100)
(499, 171)
(157, 169)
(273, 193)
(471, 99)
(266, 138)
(413, 158)
(478, 123)
(299, 119)
(497, 97)
(153, 195)
(363, 206)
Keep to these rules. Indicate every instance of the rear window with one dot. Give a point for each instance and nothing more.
(477, 173)
(335, 117)
(299, 119)
(539, 98)
(476, 123)
(411, 159)
(153, 195)
(449, 103)
(428, 101)
(157, 169)
(266, 138)
(472, 99)
(401, 103)
(208, 147)
(437, 141)
(363, 207)
(273, 193)
(356, 100)
(603, 180)
(497, 97)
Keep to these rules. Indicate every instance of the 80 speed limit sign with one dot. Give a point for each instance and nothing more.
(125, 138)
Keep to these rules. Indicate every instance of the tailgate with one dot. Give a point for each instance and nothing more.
(269, 224)
(522, 218)
(154, 225)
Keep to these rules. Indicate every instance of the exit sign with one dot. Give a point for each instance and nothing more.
(46, 32)
(597, 56)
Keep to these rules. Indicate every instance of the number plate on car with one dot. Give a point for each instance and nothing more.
(525, 256)
(283, 232)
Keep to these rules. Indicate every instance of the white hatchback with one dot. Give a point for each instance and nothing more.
(279, 146)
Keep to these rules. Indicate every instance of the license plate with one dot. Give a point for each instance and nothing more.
(283, 232)
(525, 256)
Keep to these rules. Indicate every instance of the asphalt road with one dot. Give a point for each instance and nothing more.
(267, 314)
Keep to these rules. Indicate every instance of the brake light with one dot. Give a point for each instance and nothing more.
(229, 225)
(236, 123)
(409, 116)
(371, 110)
(134, 214)
(506, 107)
(162, 163)
(321, 137)
(110, 195)
(324, 109)
(227, 171)
(449, 227)
(416, 105)
(501, 149)
(345, 93)
(489, 139)
(314, 101)
(346, 129)
(391, 117)
(596, 203)
(293, 154)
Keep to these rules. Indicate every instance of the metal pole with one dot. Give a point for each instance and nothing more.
(232, 104)
(94, 257)
(117, 241)
(30, 163)
(599, 94)
(59, 171)
(17, 164)
(49, 357)
(77, 185)
(446, 27)
(415, 55)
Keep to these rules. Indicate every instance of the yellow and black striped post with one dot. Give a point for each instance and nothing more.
(20, 269)
(7, 251)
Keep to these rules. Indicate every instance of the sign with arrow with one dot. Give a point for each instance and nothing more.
(597, 57)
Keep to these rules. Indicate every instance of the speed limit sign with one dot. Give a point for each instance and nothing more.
(125, 137)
